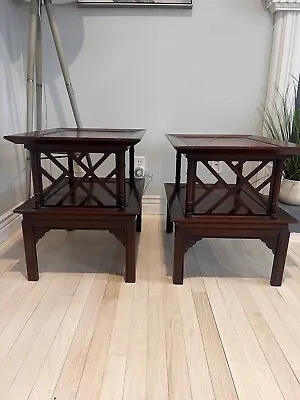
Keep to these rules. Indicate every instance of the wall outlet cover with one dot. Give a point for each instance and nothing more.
(139, 162)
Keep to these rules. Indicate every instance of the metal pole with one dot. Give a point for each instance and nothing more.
(30, 84)
(64, 69)
(39, 70)
(61, 58)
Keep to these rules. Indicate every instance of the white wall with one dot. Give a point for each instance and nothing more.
(199, 70)
(12, 107)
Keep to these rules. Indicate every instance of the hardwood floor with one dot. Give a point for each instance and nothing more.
(81, 333)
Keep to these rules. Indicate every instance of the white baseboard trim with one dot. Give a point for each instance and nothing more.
(295, 237)
(10, 223)
(154, 205)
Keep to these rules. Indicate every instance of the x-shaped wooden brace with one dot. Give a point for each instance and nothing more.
(233, 190)
(76, 182)
(244, 180)
(55, 181)
(90, 172)
(219, 184)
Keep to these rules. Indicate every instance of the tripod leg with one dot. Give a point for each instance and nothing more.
(65, 72)
(39, 70)
(30, 84)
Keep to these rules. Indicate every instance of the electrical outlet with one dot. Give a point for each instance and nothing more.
(217, 166)
(139, 162)
(139, 167)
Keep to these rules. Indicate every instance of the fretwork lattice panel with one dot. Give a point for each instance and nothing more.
(62, 185)
(248, 193)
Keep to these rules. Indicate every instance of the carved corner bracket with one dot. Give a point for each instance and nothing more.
(39, 233)
(190, 242)
(271, 243)
(118, 234)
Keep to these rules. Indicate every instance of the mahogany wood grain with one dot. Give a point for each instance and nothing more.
(227, 209)
(96, 200)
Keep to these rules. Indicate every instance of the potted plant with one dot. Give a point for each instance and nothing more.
(282, 121)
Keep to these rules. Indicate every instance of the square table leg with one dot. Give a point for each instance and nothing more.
(179, 251)
(139, 221)
(190, 186)
(178, 170)
(30, 250)
(130, 234)
(275, 187)
(35, 157)
(120, 175)
(279, 258)
(169, 224)
(131, 165)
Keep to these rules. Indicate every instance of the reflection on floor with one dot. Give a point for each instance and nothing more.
(82, 333)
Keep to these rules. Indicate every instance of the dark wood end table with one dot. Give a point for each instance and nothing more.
(232, 207)
(79, 182)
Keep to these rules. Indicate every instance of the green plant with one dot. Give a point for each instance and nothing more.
(282, 121)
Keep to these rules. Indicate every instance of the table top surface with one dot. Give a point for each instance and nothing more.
(234, 143)
(82, 135)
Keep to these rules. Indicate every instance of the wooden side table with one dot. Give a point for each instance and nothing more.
(96, 200)
(235, 209)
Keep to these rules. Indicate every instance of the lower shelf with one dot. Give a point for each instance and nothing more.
(226, 213)
(134, 195)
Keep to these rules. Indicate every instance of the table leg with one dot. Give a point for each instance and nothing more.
(169, 225)
(179, 247)
(30, 251)
(130, 253)
(190, 187)
(131, 165)
(36, 170)
(279, 258)
(120, 164)
(139, 221)
(237, 194)
(178, 170)
(71, 179)
(275, 187)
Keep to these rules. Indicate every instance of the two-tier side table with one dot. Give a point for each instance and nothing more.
(237, 206)
(98, 197)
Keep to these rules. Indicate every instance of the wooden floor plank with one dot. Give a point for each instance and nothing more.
(178, 375)
(113, 381)
(14, 303)
(179, 384)
(259, 365)
(157, 375)
(281, 333)
(91, 381)
(223, 385)
(70, 376)
(121, 329)
(136, 360)
(280, 366)
(45, 379)
(245, 383)
(200, 379)
(20, 319)
(82, 333)
(35, 334)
